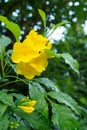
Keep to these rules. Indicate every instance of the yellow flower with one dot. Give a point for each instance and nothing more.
(27, 109)
(32, 103)
(32, 68)
(30, 56)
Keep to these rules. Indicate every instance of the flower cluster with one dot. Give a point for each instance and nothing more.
(30, 55)
(27, 106)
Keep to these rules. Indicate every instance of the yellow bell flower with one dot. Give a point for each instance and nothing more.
(30, 56)
(28, 107)
(32, 103)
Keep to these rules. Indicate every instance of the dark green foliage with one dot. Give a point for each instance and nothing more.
(6, 98)
(4, 122)
(3, 108)
(65, 99)
(54, 105)
(63, 117)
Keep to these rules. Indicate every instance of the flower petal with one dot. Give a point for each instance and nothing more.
(32, 103)
(26, 70)
(39, 42)
(27, 109)
(39, 63)
(23, 52)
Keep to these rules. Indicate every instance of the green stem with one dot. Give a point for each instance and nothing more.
(8, 83)
(14, 81)
(45, 29)
(2, 67)
(16, 77)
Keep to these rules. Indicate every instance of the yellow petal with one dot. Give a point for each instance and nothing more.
(32, 103)
(23, 52)
(39, 42)
(39, 63)
(26, 70)
(27, 109)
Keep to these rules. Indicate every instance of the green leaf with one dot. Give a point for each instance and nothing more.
(43, 16)
(59, 24)
(4, 122)
(67, 57)
(36, 120)
(13, 27)
(18, 96)
(65, 99)
(37, 85)
(51, 54)
(70, 61)
(48, 83)
(63, 117)
(6, 98)
(39, 121)
(3, 108)
(37, 95)
(4, 42)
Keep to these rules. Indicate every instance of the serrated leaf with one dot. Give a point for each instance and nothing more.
(39, 121)
(48, 83)
(13, 27)
(6, 98)
(3, 108)
(37, 95)
(35, 119)
(63, 117)
(65, 99)
(4, 122)
(37, 84)
(70, 61)
(67, 57)
(43, 16)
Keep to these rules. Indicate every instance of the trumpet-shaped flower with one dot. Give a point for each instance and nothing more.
(28, 106)
(27, 109)
(30, 55)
